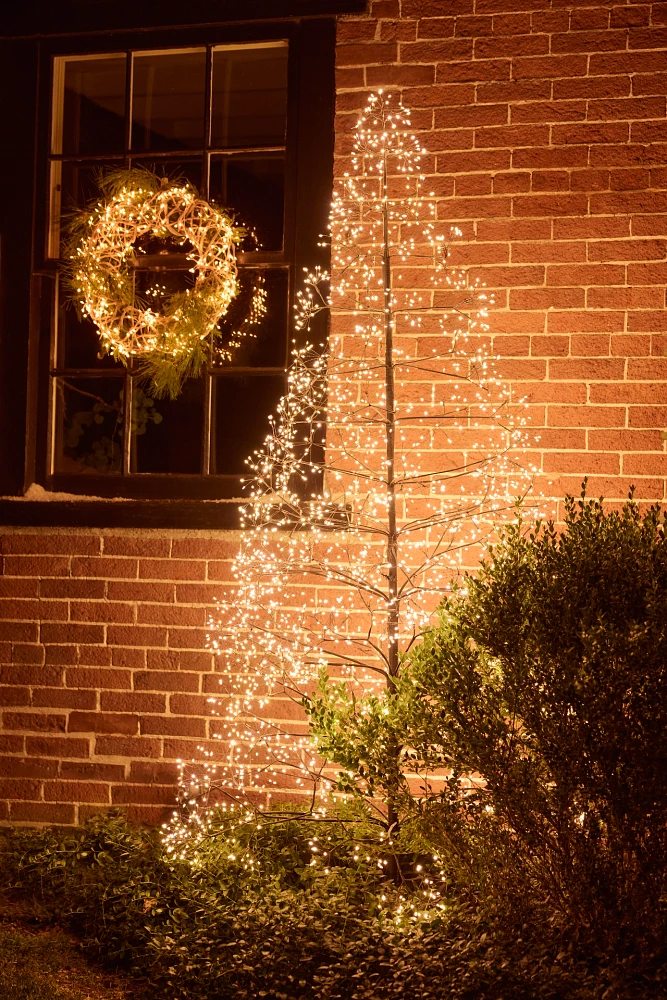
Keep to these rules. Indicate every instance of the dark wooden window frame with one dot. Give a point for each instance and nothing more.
(312, 42)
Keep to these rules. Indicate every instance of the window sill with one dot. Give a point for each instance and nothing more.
(100, 513)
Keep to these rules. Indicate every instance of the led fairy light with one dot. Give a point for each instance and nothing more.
(394, 455)
(100, 270)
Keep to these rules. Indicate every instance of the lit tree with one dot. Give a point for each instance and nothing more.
(394, 453)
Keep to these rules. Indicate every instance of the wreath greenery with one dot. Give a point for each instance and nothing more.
(174, 341)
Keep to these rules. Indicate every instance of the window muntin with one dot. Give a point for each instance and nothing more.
(182, 116)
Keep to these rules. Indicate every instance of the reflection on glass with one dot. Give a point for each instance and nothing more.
(93, 109)
(249, 95)
(254, 396)
(78, 342)
(167, 433)
(168, 100)
(267, 347)
(155, 286)
(173, 170)
(90, 426)
(254, 188)
(72, 185)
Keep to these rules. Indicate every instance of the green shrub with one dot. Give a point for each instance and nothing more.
(545, 692)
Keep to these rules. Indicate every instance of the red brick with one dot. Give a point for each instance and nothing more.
(98, 677)
(550, 346)
(101, 611)
(172, 569)
(18, 587)
(582, 463)
(155, 680)
(585, 274)
(29, 653)
(128, 545)
(121, 794)
(18, 631)
(61, 655)
(604, 40)
(153, 773)
(34, 722)
(94, 656)
(11, 743)
(76, 791)
(127, 746)
(170, 725)
(590, 345)
(188, 638)
(624, 440)
(105, 567)
(10, 696)
(195, 660)
(190, 704)
(627, 345)
(91, 771)
(586, 416)
(36, 566)
(41, 812)
(589, 321)
(162, 659)
(98, 722)
(130, 656)
(57, 746)
(58, 587)
(47, 542)
(132, 701)
(140, 591)
(136, 635)
(586, 370)
(366, 54)
(47, 697)
(71, 633)
(541, 67)
(30, 674)
(197, 593)
(556, 204)
(165, 614)
(20, 788)
(28, 767)
(592, 87)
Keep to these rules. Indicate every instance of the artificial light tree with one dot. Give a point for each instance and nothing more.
(394, 453)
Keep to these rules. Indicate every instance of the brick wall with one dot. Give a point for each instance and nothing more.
(104, 669)
(547, 139)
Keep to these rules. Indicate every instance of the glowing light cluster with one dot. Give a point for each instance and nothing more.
(392, 459)
(103, 255)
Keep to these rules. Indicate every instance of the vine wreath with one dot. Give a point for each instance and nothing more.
(174, 342)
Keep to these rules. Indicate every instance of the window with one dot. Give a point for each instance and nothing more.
(227, 116)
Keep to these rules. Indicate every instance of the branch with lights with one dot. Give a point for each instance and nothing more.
(394, 456)
(174, 341)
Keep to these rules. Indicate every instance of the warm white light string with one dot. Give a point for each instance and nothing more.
(312, 576)
(102, 268)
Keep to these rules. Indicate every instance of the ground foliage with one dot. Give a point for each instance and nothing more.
(536, 871)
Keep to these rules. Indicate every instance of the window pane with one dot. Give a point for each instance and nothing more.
(72, 185)
(242, 407)
(167, 433)
(93, 109)
(267, 348)
(168, 100)
(89, 426)
(254, 187)
(249, 96)
(174, 170)
(79, 343)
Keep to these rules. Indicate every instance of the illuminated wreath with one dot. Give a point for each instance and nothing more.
(103, 253)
